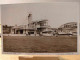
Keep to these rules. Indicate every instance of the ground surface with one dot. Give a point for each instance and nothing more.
(39, 44)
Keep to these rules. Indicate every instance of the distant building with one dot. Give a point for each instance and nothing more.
(38, 27)
(68, 28)
(18, 29)
(34, 28)
(41, 28)
(6, 29)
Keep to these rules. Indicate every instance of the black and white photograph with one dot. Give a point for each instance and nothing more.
(40, 27)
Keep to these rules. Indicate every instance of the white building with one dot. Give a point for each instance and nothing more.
(68, 28)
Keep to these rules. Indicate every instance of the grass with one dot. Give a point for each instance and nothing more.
(37, 44)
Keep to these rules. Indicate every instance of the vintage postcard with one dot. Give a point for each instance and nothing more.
(42, 28)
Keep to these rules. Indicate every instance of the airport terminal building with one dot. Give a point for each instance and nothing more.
(41, 28)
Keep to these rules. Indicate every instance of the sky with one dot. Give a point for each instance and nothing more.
(57, 13)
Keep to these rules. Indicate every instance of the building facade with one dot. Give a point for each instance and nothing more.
(33, 28)
(68, 28)
(41, 28)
